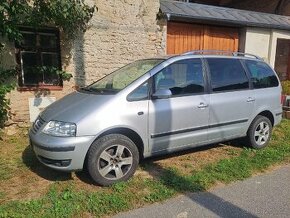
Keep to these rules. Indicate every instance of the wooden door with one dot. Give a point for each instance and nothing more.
(282, 59)
(183, 37)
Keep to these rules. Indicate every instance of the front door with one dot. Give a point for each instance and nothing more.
(182, 119)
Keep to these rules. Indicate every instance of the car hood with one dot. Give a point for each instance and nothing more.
(74, 107)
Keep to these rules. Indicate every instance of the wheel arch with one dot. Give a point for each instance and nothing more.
(251, 132)
(268, 114)
(131, 134)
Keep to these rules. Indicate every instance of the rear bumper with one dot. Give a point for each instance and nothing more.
(278, 116)
(61, 153)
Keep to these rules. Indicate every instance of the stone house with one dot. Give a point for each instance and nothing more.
(122, 31)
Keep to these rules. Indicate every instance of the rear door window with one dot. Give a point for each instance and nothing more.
(227, 75)
(262, 75)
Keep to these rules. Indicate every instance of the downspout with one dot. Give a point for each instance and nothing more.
(271, 53)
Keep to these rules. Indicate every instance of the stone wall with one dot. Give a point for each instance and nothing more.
(120, 31)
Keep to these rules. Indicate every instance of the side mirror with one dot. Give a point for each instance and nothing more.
(162, 94)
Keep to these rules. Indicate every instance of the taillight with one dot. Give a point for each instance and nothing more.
(283, 99)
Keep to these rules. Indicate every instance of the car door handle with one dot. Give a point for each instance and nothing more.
(202, 105)
(250, 99)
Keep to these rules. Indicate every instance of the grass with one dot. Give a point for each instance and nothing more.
(70, 202)
(11, 154)
(5, 171)
(66, 199)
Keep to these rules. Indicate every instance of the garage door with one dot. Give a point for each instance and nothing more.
(183, 37)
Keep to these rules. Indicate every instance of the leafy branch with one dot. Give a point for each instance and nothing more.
(48, 70)
(70, 16)
(7, 83)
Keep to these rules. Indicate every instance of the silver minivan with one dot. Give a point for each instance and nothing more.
(155, 106)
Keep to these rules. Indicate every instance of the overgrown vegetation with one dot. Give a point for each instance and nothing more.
(70, 16)
(286, 87)
(7, 83)
(51, 71)
(67, 199)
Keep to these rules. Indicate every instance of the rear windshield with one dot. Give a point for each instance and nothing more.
(262, 75)
(122, 77)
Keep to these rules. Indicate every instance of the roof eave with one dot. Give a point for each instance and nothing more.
(205, 20)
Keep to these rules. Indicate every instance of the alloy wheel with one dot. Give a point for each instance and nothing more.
(262, 133)
(115, 162)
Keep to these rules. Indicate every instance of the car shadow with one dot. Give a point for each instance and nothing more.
(85, 177)
(30, 160)
(196, 192)
(237, 143)
(195, 189)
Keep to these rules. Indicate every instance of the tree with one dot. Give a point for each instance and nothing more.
(70, 16)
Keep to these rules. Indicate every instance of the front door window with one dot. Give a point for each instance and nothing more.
(181, 78)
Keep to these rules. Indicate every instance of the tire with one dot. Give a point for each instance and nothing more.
(259, 133)
(111, 159)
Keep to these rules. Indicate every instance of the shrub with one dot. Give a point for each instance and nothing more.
(286, 87)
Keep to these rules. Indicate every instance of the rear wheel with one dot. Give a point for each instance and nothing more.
(112, 158)
(260, 132)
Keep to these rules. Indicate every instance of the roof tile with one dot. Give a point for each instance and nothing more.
(192, 12)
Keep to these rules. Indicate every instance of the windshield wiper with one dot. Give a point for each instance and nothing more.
(87, 89)
(101, 91)
(108, 91)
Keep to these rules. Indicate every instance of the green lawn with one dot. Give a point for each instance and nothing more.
(155, 180)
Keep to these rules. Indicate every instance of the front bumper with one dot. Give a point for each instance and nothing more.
(60, 153)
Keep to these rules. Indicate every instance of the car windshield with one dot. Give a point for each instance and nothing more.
(122, 77)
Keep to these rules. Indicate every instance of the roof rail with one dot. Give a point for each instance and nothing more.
(247, 54)
(221, 52)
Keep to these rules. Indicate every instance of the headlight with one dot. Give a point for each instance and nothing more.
(58, 128)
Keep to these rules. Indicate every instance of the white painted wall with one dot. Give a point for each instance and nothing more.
(257, 41)
(276, 34)
(263, 42)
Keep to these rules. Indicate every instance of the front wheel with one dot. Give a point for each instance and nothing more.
(112, 158)
(260, 132)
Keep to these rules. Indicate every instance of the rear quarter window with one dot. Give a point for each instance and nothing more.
(262, 75)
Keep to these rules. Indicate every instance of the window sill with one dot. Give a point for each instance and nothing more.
(40, 88)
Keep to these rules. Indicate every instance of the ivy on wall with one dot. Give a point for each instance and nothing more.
(70, 16)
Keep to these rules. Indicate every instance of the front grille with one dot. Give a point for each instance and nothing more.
(37, 124)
